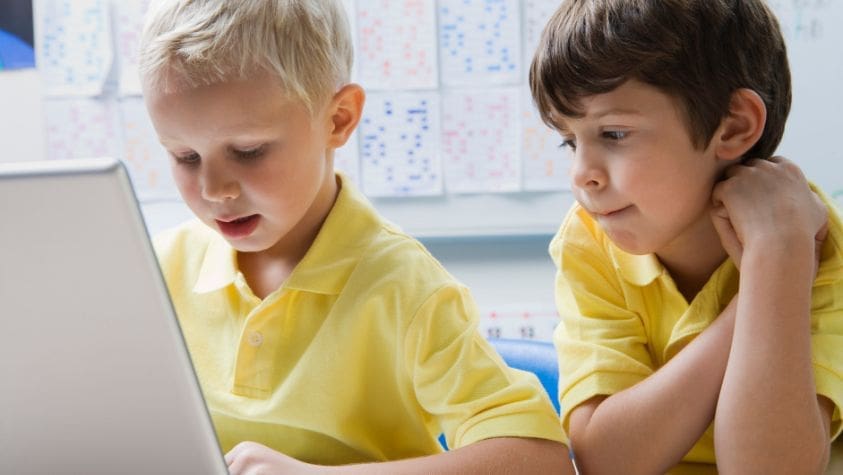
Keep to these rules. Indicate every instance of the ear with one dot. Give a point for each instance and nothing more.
(742, 126)
(345, 111)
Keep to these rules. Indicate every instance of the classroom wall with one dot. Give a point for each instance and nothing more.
(491, 233)
(21, 116)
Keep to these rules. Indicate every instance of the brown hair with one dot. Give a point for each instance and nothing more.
(699, 51)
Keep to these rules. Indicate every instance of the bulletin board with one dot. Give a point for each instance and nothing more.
(449, 143)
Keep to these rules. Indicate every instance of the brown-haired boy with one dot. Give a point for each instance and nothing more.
(700, 281)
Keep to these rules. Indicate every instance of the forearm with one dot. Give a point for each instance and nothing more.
(492, 456)
(768, 419)
(663, 416)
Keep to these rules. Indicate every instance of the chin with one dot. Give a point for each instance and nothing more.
(245, 246)
(627, 242)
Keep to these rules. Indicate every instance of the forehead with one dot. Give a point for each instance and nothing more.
(632, 98)
(251, 106)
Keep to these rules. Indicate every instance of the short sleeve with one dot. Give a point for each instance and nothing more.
(601, 344)
(464, 384)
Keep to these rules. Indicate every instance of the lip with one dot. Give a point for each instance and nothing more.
(237, 228)
(612, 213)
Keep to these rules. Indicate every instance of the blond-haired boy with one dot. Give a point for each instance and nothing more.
(321, 334)
(695, 315)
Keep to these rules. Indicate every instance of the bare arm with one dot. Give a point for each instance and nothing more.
(492, 456)
(769, 419)
(649, 427)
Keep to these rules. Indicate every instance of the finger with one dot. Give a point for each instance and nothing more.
(718, 195)
(718, 208)
(724, 228)
(760, 163)
(733, 170)
(728, 236)
(232, 454)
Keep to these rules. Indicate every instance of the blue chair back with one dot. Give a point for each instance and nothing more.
(538, 357)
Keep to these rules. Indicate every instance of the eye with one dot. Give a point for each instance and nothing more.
(187, 158)
(568, 143)
(250, 153)
(615, 135)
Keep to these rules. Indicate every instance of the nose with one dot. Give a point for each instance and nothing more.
(588, 171)
(218, 185)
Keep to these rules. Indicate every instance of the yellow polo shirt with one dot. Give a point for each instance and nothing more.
(367, 352)
(623, 318)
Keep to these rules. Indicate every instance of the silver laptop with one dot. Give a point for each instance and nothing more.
(95, 377)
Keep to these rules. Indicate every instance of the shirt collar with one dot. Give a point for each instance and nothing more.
(219, 266)
(349, 228)
(638, 270)
(346, 234)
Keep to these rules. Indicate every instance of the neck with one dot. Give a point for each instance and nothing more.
(267, 270)
(693, 257)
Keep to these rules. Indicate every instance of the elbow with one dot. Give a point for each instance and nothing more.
(807, 458)
(810, 457)
(818, 462)
(534, 456)
(558, 460)
(597, 459)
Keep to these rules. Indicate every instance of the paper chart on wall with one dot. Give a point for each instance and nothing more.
(480, 140)
(545, 163)
(529, 321)
(128, 23)
(399, 144)
(73, 47)
(81, 128)
(479, 42)
(396, 44)
(145, 158)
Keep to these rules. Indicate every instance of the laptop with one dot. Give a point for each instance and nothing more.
(95, 377)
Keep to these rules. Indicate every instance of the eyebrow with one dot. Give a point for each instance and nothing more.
(560, 125)
(612, 111)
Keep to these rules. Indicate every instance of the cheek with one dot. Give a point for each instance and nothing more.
(186, 183)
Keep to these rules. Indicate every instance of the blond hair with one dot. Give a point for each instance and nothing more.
(305, 44)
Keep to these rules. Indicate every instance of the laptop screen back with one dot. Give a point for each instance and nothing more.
(95, 374)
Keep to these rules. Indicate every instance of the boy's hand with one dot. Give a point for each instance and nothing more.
(767, 201)
(251, 458)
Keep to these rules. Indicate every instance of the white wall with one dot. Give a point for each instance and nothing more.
(21, 116)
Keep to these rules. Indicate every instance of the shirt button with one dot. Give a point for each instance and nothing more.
(255, 338)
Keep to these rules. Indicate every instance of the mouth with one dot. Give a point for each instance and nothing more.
(611, 213)
(239, 227)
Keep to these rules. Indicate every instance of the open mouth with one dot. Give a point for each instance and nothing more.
(240, 227)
